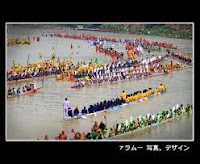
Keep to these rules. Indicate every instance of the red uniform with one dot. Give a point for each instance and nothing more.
(171, 65)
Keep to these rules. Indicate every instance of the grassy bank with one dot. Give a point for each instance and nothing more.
(171, 30)
(167, 31)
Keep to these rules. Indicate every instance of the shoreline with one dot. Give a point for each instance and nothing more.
(59, 28)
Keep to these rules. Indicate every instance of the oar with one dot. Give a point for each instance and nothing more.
(85, 117)
(28, 58)
(42, 81)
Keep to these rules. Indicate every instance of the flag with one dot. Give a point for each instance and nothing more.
(171, 66)
(14, 63)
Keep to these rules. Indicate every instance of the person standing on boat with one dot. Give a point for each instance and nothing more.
(34, 86)
(171, 65)
(66, 107)
(123, 96)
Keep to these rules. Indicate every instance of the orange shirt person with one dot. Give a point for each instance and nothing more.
(63, 136)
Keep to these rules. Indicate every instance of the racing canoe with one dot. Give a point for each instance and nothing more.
(113, 108)
(25, 93)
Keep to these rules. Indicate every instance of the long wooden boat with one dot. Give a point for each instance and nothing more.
(25, 93)
(137, 78)
(113, 108)
(27, 79)
(31, 91)
(181, 60)
(145, 127)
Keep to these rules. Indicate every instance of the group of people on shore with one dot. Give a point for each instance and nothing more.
(108, 104)
(102, 131)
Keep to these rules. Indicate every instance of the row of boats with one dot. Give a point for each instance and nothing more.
(50, 68)
(96, 39)
(59, 70)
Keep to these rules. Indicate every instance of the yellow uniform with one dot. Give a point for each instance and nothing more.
(145, 94)
(123, 95)
(136, 97)
(131, 98)
(127, 99)
(151, 92)
(40, 54)
(163, 87)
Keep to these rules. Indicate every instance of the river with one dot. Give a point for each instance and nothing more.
(32, 116)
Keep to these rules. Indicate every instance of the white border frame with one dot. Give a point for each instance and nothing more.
(49, 23)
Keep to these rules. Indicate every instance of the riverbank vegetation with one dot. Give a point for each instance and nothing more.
(166, 30)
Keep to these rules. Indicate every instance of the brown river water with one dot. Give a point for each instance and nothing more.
(32, 116)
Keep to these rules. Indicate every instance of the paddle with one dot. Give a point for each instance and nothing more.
(28, 58)
(85, 117)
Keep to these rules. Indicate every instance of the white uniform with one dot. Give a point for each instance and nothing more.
(66, 108)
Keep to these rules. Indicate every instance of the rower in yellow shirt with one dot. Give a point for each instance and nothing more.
(127, 99)
(161, 87)
(141, 95)
(150, 91)
(40, 54)
(133, 98)
(52, 61)
(53, 55)
(123, 95)
(136, 97)
(145, 94)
